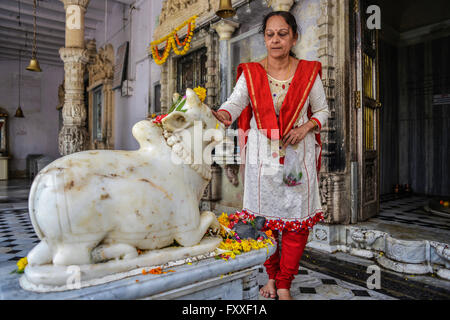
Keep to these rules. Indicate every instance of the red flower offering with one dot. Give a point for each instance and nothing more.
(159, 118)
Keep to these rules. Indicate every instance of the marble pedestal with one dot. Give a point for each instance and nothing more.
(387, 246)
(206, 279)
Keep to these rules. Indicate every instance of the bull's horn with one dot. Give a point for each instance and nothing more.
(192, 98)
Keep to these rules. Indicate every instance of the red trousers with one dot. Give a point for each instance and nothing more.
(283, 268)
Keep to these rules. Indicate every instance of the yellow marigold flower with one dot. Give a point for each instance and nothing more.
(21, 264)
(201, 92)
(223, 219)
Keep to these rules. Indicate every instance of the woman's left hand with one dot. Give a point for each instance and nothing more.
(295, 135)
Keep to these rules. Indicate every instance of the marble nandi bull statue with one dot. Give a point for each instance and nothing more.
(99, 207)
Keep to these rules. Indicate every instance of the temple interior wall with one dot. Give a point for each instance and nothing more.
(37, 133)
(138, 30)
(414, 133)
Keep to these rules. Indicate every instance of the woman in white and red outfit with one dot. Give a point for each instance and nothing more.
(280, 102)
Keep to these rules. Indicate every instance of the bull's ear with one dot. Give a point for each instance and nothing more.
(176, 120)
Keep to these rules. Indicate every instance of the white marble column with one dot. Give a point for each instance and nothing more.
(224, 29)
(73, 136)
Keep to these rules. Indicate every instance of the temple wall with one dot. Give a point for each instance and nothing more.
(137, 30)
(37, 133)
(423, 127)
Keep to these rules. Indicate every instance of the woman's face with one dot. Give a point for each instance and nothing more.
(279, 37)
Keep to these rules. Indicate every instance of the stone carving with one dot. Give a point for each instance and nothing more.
(101, 73)
(408, 251)
(102, 66)
(364, 238)
(321, 234)
(78, 209)
(171, 7)
(72, 139)
(362, 241)
(332, 189)
(281, 5)
(73, 135)
(225, 28)
(82, 3)
(443, 252)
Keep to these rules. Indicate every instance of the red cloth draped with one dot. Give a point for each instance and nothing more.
(263, 108)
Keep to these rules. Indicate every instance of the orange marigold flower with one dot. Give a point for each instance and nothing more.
(155, 271)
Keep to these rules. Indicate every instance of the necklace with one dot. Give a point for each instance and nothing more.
(289, 66)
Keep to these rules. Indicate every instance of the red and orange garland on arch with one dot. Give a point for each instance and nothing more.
(172, 41)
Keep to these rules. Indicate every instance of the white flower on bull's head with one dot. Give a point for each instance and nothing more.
(196, 128)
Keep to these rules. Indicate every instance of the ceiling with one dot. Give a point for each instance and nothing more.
(407, 15)
(17, 38)
(402, 15)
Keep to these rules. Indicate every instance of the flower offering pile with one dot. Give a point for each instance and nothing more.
(232, 243)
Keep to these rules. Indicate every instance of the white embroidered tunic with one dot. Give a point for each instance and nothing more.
(265, 193)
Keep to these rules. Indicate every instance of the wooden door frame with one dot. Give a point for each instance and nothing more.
(358, 110)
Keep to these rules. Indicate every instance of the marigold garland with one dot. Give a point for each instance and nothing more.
(172, 40)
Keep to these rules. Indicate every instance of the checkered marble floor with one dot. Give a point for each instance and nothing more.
(17, 235)
(411, 210)
(311, 285)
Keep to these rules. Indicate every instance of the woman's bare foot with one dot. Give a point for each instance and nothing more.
(284, 294)
(269, 290)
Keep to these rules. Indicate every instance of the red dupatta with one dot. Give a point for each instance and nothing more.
(263, 108)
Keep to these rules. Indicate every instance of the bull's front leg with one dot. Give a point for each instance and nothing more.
(207, 220)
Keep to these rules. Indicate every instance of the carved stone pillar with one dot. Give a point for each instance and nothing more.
(335, 182)
(73, 135)
(211, 67)
(225, 28)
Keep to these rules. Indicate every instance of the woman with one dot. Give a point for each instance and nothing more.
(280, 99)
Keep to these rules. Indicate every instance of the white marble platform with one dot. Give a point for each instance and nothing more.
(192, 279)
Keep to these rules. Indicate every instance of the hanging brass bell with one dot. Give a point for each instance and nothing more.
(225, 9)
(19, 113)
(34, 65)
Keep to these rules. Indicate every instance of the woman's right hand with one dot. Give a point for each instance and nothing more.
(223, 117)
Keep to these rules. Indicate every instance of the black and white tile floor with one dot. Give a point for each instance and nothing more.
(410, 210)
(311, 285)
(17, 238)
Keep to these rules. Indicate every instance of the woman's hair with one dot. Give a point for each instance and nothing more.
(288, 17)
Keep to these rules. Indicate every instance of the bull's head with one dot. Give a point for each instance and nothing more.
(195, 127)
